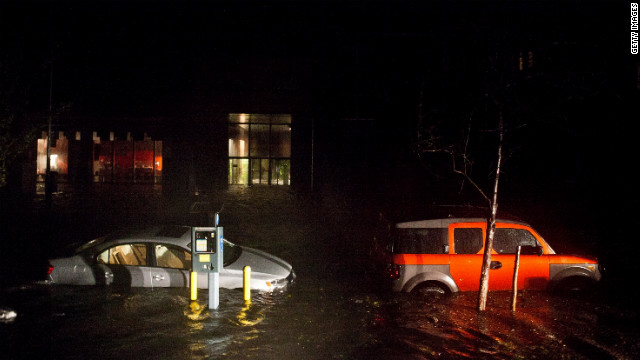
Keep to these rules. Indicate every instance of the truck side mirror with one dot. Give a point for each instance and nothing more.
(531, 250)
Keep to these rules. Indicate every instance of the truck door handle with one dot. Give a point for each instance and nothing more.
(108, 275)
(158, 277)
(495, 265)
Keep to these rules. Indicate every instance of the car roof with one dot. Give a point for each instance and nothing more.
(445, 222)
(442, 213)
(172, 234)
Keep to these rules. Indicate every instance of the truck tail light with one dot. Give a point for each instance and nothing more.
(393, 271)
(49, 269)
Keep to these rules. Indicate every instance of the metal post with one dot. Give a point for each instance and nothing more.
(133, 160)
(313, 139)
(153, 164)
(247, 283)
(194, 285)
(214, 290)
(48, 185)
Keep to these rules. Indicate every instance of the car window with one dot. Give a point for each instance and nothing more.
(467, 240)
(172, 257)
(421, 241)
(127, 254)
(506, 241)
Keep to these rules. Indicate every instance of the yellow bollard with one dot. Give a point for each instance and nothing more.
(247, 283)
(194, 285)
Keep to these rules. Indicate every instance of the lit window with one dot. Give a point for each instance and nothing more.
(259, 149)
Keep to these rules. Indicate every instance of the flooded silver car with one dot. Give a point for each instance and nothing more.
(161, 257)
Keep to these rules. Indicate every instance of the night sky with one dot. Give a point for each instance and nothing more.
(127, 56)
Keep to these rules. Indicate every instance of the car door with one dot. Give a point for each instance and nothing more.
(465, 246)
(533, 273)
(466, 262)
(172, 266)
(123, 265)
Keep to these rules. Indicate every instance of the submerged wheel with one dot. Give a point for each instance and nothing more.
(575, 285)
(430, 290)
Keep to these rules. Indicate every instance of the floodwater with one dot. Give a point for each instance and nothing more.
(312, 319)
(335, 309)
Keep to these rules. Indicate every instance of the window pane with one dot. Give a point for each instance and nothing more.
(274, 172)
(129, 254)
(158, 161)
(506, 241)
(259, 171)
(260, 118)
(239, 118)
(238, 140)
(467, 241)
(41, 160)
(259, 145)
(123, 159)
(58, 157)
(421, 241)
(143, 161)
(255, 171)
(104, 257)
(281, 141)
(238, 171)
(281, 119)
(280, 172)
(171, 257)
(264, 171)
(103, 161)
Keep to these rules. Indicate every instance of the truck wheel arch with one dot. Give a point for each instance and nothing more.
(437, 278)
(572, 279)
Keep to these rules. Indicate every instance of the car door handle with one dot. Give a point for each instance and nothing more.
(158, 277)
(495, 265)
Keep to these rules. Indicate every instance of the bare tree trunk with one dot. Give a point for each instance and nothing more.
(488, 245)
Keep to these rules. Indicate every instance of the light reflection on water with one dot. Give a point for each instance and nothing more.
(543, 326)
(310, 320)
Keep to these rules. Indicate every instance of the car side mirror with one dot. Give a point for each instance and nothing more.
(531, 250)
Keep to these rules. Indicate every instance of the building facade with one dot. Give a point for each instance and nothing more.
(259, 152)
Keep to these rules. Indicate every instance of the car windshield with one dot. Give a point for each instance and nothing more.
(231, 253)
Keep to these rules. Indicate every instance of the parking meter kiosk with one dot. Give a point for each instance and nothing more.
(206, 246)
(207, 250)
